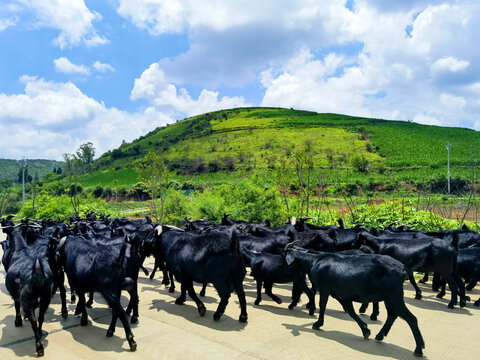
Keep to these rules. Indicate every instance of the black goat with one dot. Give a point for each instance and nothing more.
(272, 268)
(97, 267)
(425, 255)
(213, 258)
(28, 280)
(362, 278)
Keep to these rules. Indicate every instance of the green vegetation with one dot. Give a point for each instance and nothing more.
(271, 163)
(9, 169)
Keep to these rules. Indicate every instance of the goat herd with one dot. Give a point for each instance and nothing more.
(352, 265)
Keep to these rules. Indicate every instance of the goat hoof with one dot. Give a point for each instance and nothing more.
(89, 304)
(379, 337)
(257, 302)
(418, 296)
(373, 317)
(202, 310)
(132, 343)
(134, 320)
(128, 311)
(110, 332)
(151, 276)
(202, 293)
(292, 306)
(418, 353)
(73, 299)
(243, 318)
(422, 281)
(311, 311)
(278, 300)
(179, 301)
(440, 295)
(477, 303)
(78, 311)
(366, 333)
(18, 321)
(83, 321)
(64, 313)
(171, 290)
(463, 304)
(40, 351)
(468, 288)
(467, 298)
(316, 325)
(362, 309)
(451, 306)
(216, 316)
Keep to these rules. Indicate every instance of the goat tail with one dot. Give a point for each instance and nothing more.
(121, 257)
(234, 241)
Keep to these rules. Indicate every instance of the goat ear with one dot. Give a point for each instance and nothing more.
(234, 243)
(158, 230)
(289, 258)
(61, 243)
(38, 267)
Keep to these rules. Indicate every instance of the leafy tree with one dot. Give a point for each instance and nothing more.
(85, 154)
(5, 192)
(155, 175)
(73, 168)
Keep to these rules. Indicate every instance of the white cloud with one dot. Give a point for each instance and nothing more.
(11, 21)
(165, 97)
(101, 67)
(65, 66)
(52, 118)
(449, 63)
(71, 17)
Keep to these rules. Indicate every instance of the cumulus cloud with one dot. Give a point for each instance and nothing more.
(103, 68)
(449, 63)
(165, 97)
(65, 66)
(51, 118)
(72, 18)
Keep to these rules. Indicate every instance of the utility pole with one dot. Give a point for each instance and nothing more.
(23, 179)
(448, 164)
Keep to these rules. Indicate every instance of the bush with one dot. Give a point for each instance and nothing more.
(360, 163)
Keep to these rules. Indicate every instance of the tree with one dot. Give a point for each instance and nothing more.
(303, 161)
(155, 175)
(85, 154)
(5, 192)
(73, 167)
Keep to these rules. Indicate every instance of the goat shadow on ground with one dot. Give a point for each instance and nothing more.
(357, 342)
(430, 302)
(19, 340)
(189, 312)
(205, 299)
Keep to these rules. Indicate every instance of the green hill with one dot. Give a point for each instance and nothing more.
(9, 169)
(219, 146)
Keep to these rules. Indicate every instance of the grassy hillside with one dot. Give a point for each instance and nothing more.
(224, 145)
(9, 168)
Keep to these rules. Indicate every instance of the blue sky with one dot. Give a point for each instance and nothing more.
(73, 71)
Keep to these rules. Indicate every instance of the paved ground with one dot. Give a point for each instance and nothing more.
(169, 331)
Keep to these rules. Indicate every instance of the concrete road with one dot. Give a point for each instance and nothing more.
(169, 331)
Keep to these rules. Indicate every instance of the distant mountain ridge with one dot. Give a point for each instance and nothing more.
(9, 169)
